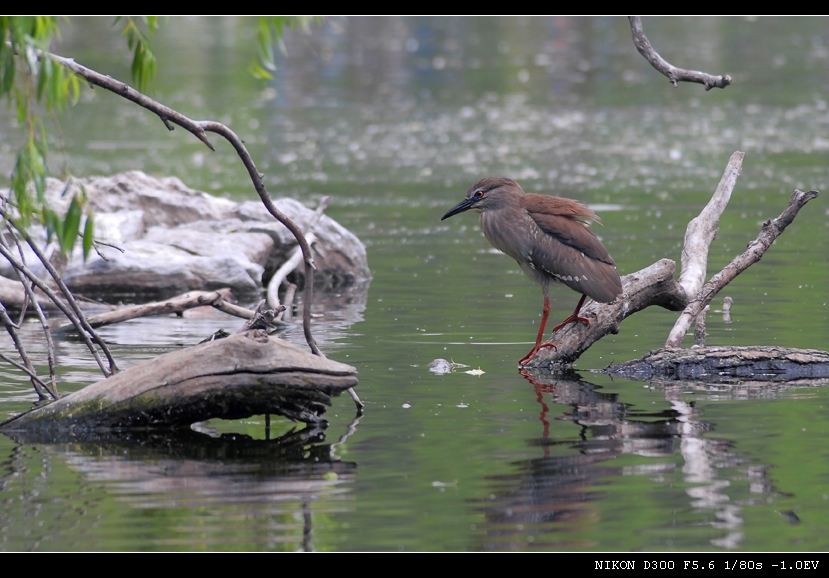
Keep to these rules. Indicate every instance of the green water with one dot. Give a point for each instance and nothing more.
(395, 119)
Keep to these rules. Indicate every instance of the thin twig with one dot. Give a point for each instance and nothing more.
(290, 291)
(673, 73)
(30, 297)
(11, 328)
(262, 318)
(70, 299)
(59, 303)
(31, 375)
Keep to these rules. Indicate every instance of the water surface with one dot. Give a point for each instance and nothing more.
(395, 118)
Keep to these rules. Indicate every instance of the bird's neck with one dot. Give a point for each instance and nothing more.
(498, 236)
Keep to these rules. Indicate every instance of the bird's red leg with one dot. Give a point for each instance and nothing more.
(573, 317)
(538, 344)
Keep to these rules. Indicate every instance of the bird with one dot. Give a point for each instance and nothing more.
(550, 240)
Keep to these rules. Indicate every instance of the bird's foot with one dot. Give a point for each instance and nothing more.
(572, 319)
(526, 359)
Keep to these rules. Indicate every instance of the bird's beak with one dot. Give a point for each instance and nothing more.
(464, 205)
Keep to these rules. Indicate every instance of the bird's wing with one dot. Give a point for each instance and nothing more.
(573, 255)
(576, 269)
(572, 232)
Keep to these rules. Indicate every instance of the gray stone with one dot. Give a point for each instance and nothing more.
(154, 269)
(178, 239)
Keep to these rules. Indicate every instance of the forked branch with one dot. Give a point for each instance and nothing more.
(655, 285)
(673, 73)
(770, 231)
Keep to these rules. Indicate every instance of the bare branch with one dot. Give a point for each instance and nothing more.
(262, 318)
(29, 369)
(673, 73)
(296, 258)
(31, 298)
(290, 291)
(653, 285)
(98, 250)
(199, 129)
(70, 299)
(38, 383)
(701, 230)
(256, 177)
(122, 89)
(66, 310)
(189, 300)
(770, 231)
(177, 304)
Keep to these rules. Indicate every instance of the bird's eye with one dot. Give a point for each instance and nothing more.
(479, 194)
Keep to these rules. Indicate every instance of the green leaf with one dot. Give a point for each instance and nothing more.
(42, 77)
(71, 226)
(72, 88)
(87, 236)
(54, 226)
(8, 74)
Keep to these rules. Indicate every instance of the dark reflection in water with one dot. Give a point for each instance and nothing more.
(279, 485)
(552, 501)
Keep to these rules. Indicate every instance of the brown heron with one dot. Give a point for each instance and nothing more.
(550, 240)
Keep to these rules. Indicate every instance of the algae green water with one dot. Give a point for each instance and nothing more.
(395, 118)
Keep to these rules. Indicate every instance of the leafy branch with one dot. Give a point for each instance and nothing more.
(270, 30)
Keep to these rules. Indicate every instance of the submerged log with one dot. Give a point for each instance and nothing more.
(727, 364)
(246, 374)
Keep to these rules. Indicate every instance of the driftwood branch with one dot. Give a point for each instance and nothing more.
(655, 285)
(177, 304)
(200, 129)
(217, 299)
(673, 73)
(702, 229)
(770, 231)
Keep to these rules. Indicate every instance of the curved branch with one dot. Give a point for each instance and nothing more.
(199, 129)
(292, 262)
(673, 73)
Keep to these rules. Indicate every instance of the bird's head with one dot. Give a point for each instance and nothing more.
(487, 195)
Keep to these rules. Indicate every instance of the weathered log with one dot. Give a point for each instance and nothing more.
(243, 375)
(727, 364)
